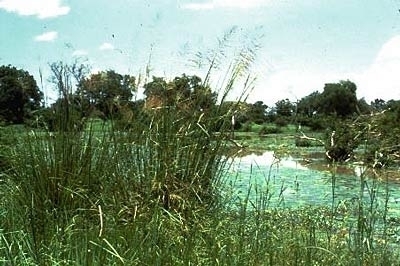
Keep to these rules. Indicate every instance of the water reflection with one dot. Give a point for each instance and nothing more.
(288, 181)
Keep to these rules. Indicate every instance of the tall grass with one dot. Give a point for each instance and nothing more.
(151, 195)
(112, 198)
(79, 196)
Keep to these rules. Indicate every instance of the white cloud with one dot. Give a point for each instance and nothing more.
(40, 8)
(47, 36)
(382, 78)
(106, 46)
(225, 4)
(78, 53)
(291, 84)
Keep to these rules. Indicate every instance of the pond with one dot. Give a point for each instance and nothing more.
(268, 181)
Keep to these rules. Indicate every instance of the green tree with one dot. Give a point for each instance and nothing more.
(363, 107)
(257, 112)
(308, 105)
(378, 105)
(284, 108)
(19, 95)
(192, 93)
(187, 93)
(106, 92)
(339, 99)
(66, 114)
(342, 138)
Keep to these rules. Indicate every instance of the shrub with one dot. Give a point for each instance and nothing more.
(341, 141)
(265, 130)
(281, 121)
(246, 127)
(301, 142)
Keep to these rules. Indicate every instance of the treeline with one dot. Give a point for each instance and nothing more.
(316, 110)
(346, 120)
(106, 95)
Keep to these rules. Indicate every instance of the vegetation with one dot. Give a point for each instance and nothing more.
(98, 178)
(19, 95)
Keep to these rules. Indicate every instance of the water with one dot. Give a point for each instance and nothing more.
(291, 182)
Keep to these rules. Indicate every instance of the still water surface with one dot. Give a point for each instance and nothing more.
(293, 182)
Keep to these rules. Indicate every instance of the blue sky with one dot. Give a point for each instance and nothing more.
(300, 44)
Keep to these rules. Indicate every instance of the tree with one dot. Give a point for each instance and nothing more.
(186, 93)
(66, 114)
(341, 140)
(19, 95)
(106, 92)
(339, 99)
(378, 105)
(258, 112)
(363, 107)
(192, 93)
(308, 105)
(284, 108)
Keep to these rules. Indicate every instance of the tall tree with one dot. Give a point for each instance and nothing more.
(184, 92)
(19, 94)
(339, 99)
(378, 105)
(284, 108)
(107, 91)
(258, 112)
(66, 114)
(308, 105)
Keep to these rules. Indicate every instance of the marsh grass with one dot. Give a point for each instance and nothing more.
(105, 197)
(157, 194)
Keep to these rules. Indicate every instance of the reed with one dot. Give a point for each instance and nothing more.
(158, 193)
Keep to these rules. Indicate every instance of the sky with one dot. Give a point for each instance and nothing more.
(294, 46)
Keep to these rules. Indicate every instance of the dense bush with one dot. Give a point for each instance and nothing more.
(265, 130)
(341, 140)
(301, 142)
(281, 121)
(315, 123)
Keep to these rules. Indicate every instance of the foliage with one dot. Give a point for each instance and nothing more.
(340, 142)
(164, 175)
(67, 113)
(338, 99)
(265, 130)
(258, 112)
(106, 92)
(301, 142)
(316, 122)
(8, 138)
(282, 121)
(147, 186)
(309, 105)
(363, 107)
(19, 95)
(382, 133)
(378, 105)
(187, 93)
(284, 108)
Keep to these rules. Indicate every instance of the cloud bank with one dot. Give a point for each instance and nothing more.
(382, 79)
(40, 8)
(379, 80)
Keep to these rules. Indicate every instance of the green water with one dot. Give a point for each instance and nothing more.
(289, 182)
